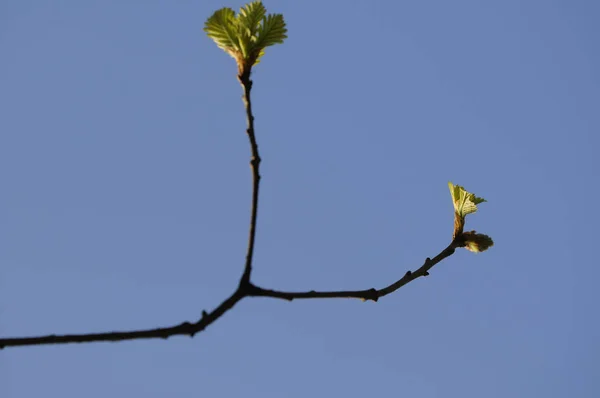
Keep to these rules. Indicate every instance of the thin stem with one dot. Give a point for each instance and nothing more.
(369, 294)
(246, 83)
(184, 328)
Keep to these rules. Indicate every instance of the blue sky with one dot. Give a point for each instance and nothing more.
(126, 193)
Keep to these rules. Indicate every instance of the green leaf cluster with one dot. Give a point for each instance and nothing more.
(246, 35)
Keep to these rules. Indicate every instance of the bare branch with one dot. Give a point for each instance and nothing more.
(246, 83)
(184, 328)
(369, 294)
(245, 288)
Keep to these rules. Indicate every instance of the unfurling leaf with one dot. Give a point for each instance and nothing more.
(272, 31)
(221, 27)
(464, 203)
(250, 17)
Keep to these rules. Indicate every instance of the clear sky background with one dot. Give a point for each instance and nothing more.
(125, 195)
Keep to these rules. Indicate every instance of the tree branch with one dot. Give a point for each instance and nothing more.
(245, 288)
(184, 328)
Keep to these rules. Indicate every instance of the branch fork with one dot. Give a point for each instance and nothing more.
(245, 37)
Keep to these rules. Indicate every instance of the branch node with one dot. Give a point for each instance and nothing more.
(372, 294)
(186, 327)
(255, 161)
(247, 288)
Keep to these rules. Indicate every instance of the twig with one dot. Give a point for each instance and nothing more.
(184, 328)
(369, 294)
(246, 83)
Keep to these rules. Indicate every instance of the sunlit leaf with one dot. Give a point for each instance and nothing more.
(221, 27)
(272, 31)
(250, 17)
(464, 202)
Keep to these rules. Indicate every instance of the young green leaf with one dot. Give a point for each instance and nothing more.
(221, 27)
(271, 31)
(464, 202)
(250, 17)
